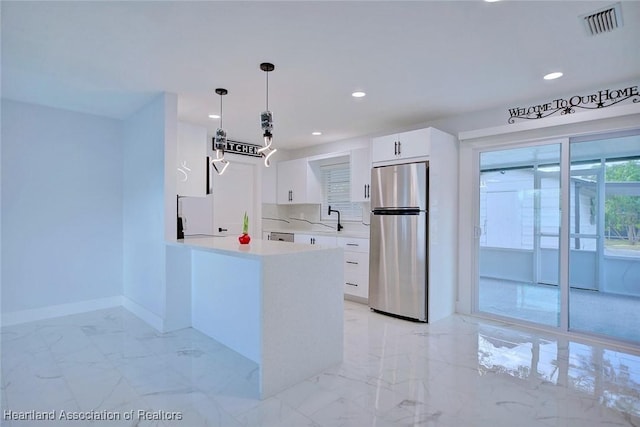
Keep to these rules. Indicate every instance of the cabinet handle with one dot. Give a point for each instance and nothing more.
(395, 148)
(352, 244)
(399, 147)
(352, 262)
(365, 191)
(220, 229)
(368, 191)
(291, 195)
(313, 240)
(351, 284)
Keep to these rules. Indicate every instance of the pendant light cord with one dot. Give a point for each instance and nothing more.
(267, 73)
(221, 127)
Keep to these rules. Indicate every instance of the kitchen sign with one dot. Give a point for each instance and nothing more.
(242, 148)
(601, 99)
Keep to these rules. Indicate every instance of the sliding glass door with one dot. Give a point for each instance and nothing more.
(604, 258)
(520, 226)
(521, 193)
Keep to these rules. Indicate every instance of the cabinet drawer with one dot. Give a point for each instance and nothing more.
(357, 285)
(354, 244)
(356, 262)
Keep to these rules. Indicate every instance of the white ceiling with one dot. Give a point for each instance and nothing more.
(417, 60)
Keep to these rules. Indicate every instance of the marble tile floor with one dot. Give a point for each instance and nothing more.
(602, 313)
(460, 371)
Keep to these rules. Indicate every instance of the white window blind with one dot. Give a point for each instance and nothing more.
(336, 192)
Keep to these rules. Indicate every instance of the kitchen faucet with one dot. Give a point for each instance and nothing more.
(340, 227)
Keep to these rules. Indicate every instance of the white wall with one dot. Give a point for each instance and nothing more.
(145, 213)
(61, 207)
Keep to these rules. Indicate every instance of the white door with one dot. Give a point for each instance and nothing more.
(234, 194)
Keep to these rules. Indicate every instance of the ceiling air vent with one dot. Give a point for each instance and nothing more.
(603, 20)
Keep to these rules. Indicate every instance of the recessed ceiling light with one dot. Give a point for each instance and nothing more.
(552, 76)
(358, 94)
(214, 116)
(491, 1)
(316, 133)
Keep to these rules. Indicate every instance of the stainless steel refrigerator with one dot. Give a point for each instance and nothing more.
(398, 253)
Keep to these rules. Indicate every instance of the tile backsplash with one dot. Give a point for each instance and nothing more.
(306, 218)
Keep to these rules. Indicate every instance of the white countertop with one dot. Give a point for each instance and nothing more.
(361, 235)
(229, 245)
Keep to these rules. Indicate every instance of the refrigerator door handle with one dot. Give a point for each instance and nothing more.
(398, 211)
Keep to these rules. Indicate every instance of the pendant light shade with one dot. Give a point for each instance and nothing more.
(219, 163)
(266, 120)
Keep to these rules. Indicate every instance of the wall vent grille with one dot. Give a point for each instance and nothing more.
(603, 20)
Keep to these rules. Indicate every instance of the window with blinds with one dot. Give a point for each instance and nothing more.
(336, 192)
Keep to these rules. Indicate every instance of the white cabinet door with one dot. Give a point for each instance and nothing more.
(297, 183)
(402, 146)
(314, 239)
(191, 173)
(413, 144)
(360, 164)
(288, 182)
(307, 239)
(384, 148)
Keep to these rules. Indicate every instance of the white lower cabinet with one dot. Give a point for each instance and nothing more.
(356, 267)
(356, 261)
(314, 239)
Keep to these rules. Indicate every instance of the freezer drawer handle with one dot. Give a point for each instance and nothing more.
(351, 284)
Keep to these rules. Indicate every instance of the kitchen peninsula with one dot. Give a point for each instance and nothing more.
(279, 304)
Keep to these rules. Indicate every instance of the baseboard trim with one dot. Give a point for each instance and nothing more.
(51, 311)
(151, 318)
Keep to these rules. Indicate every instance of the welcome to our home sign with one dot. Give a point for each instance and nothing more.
(601, 99)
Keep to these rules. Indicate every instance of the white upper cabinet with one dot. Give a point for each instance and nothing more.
(401, 146)
(360, 175)
(191, 170)
(297, 183)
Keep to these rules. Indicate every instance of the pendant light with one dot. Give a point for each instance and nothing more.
(266, 120)
(219, 163)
